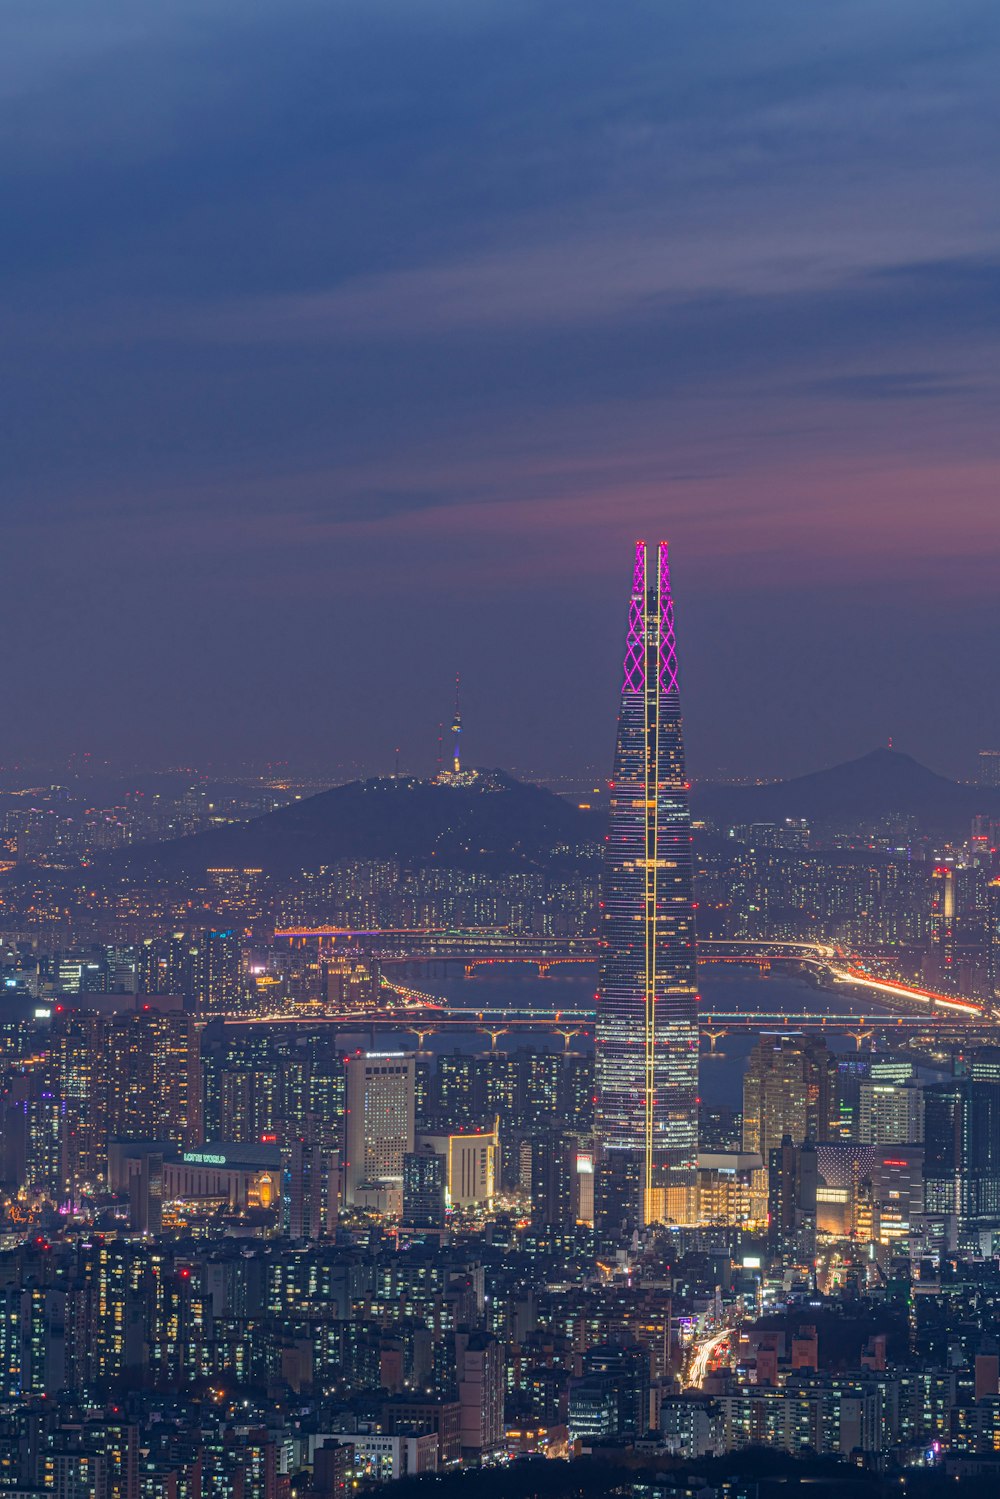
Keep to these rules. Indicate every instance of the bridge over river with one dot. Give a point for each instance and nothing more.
(866, 1001)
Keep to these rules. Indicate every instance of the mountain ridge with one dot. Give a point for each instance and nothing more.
(882, 783)
(498, 824)
(495, 823)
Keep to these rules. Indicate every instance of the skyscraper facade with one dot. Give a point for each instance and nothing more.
(424, 1186)
(962, 1158)
(218, 971)
(380, 1121)
(993, 940)
(647, 1025)
(789, 1088)
(890, 1113)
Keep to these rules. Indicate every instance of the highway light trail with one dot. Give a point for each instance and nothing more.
(705, 1351)
(904, 991)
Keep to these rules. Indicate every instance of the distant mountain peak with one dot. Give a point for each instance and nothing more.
(888, 767)
(883, 783)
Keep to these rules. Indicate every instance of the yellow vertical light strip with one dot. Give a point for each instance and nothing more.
(651, 765)
(656, 861)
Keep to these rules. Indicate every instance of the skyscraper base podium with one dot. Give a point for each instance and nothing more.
(623, 1201)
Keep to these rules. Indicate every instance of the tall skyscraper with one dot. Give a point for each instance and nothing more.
(792, 1185)
(789, 1088)
(647, 1023)
(380, 1121)
(943, 927)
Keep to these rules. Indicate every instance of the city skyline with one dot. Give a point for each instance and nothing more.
(485, 1000)
(322, 305)
(276, 1221)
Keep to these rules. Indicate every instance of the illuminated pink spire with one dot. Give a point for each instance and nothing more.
(635, 641)
(668, 643)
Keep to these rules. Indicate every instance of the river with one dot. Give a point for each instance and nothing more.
(723, 989)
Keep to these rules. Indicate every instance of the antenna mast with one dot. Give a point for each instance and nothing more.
(456, 729)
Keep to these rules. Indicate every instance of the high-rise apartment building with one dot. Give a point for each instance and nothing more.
(789, 1088)
(153, 1068)
(166, 965)
(647, 1024)
(792, 1184)
(380, 1120)
(218, 972)
(78, 1042)
(313, 1191)
(479, 1374)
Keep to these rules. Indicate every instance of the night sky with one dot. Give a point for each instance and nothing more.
(351, 343)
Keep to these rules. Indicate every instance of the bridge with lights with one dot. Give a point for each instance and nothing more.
(480, 949)
(480, 946)
(430, 1017)
(884, 1004)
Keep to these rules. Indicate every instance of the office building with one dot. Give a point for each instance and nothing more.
(424, 1186)
(983, 1064)
(470, 1166)
(962, 1157)
(611, 1399)
(993, 940)
(942, 962)
(380, 1121)
(897, 1178)
(732, 1188)
(647, 1030)
(562, 1179)
(890, 1113)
